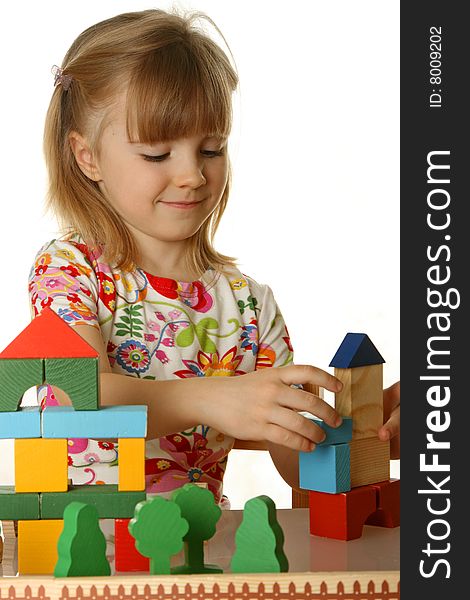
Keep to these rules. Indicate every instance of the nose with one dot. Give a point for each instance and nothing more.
(189, 173)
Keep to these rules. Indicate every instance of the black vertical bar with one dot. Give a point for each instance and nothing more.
(435, 324)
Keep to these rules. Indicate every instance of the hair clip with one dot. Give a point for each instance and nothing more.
(60, 78)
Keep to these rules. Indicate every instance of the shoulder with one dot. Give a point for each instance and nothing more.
(70, 251)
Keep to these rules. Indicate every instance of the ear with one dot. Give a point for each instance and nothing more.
(84, 156)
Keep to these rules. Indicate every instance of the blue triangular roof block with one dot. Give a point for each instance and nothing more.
(356, 350)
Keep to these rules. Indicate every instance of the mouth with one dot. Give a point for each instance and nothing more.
(181, 205)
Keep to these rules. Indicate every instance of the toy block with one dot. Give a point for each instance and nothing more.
(37, 546)
(370, 461)
(82, 546)
(18, 506)
(201, 512)
(259, 540)
(334, 435)
(126, 556)
(23, 423)
(356, 350)
(341, 516)
(18, 375)
(48, 336)
(388, 504)
(77, 377)
(361, 398)
(41, 465)
(326, 469)
(107, 422)
(8, 558)
(131, 464)
(110, 503)
(158, 529)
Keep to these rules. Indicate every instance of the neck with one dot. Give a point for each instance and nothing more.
(167, 259)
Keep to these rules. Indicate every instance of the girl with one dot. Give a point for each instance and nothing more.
(136, 150)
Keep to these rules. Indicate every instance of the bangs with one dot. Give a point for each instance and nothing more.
(179, 91)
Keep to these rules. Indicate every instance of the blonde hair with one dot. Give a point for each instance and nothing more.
(179, 82)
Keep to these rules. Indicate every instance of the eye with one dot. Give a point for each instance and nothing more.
(213, 153)
(159, 158)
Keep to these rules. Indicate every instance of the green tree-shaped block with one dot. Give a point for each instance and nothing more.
(158, 529)
(82, 545)
(259, 539)
(198, 507)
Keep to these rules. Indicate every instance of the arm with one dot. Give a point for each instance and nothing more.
(258, 406)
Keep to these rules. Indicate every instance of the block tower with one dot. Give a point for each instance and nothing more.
(49, 351)
(348, 474)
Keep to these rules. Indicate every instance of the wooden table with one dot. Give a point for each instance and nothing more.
(319, 568)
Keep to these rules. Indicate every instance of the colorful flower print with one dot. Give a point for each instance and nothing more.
(106, 445)
(266, 357)
(191, 294)
(133, 356)
(249, 337)
(238, 284)
(77, 445)
(191, 461)
(210, 365)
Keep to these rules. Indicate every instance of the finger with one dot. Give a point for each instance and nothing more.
(303, 401)
(292, 421)
(295, 374)
(290, 439)
(390, 428)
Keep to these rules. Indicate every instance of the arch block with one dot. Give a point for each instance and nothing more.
(77, 377)
(16, 376)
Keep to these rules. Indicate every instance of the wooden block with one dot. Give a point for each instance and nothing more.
(77, 377)
(110, 503)
(15, 506)
(341, 516)
(131, 464)
(41, 465)
(259, 540)
(356, 350)
(361, 398)
(158, 529)
(334, 435)
(388, 504)
(126, 556)
(48, 336)
(23, 423)
(107, 422)
(201, 512)
(17, 376)
(370, 461)
(326, 469)
(82, 546)
(9, 557)
(37, 546)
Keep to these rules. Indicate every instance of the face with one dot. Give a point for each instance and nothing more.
(164, 192)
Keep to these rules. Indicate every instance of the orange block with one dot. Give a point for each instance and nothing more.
(41, 465)
(131, 464)
(37, 546)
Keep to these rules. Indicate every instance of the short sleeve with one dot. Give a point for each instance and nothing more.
(274, 348)
(62, 278)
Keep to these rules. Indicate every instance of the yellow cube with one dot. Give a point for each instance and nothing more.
(41, 465)
(37, 546)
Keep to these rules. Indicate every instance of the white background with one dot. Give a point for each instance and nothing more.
(314, 210)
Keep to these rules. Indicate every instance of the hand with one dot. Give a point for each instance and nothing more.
(261, 406)
(390, 430)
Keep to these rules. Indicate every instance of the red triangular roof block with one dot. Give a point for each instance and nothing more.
(48, 336)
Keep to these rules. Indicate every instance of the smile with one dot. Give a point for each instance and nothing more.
(181, 205)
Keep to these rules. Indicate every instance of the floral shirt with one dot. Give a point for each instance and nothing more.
(159, 328)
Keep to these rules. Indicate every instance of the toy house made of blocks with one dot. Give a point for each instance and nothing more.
(49, 351)
(348, 474)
